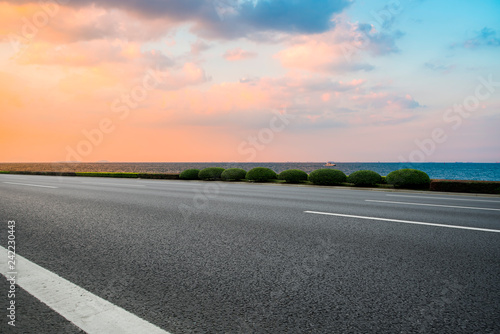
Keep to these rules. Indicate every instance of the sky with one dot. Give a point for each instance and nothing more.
(249, 80)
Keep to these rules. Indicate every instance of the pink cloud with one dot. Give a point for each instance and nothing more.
(312, 55)
(326, 52)
(238, 54)
(190, 74)
(341, 49)
(199, 46)
(386, 100)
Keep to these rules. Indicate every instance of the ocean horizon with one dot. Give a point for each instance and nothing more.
(436, 170)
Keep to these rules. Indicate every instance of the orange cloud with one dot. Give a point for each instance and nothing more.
(86, 53)
(219, 99)
(10, 93)
(54, 23)
(74, 69)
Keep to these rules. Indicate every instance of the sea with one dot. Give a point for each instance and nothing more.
(435, 170)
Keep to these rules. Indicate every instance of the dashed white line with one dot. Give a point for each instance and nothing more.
(89, 312)
(405, 221)
(446, 198)
(438, 205)
(30, 185)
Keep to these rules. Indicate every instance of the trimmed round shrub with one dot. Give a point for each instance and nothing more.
(233, 174)
(189, 174)
(211, 173)
(261, 174)
(409, 179)
(327, 177)
(364, 178)
(293, 176)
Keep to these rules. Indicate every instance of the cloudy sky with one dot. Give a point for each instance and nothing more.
(249, 80)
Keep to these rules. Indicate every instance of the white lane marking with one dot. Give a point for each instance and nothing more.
(31, 185)
(446, 198)
(84, 309)
(405, 221)
(439, 205)
(114, 184)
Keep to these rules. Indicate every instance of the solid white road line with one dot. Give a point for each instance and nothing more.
(443, 206)
(405, 221)
(447, 198)
(84, 309)
(31, 185)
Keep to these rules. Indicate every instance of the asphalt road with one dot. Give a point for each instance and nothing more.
(210, 257)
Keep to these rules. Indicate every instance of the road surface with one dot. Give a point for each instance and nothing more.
(214, 257)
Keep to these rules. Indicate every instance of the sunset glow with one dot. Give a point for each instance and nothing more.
(263, 80)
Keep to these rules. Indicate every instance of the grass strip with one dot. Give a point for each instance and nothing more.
(119, 175)
(43, 173)
(131, 175)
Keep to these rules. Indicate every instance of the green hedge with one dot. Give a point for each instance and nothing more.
(480, 187)
(190, 174)
(293, 176)
(404, 178)
(409, 179)
(233, 174)
(211, 173)
(327, 177)
(364, 178)
(158, 176)
(261, 174)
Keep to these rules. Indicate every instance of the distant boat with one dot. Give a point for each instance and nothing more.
(330, 164)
